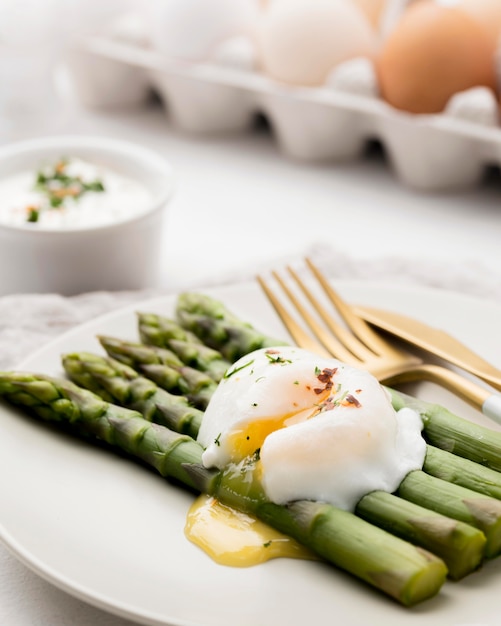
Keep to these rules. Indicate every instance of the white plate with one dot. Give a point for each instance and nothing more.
(111, 533)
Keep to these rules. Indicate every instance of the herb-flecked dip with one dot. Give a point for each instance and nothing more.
(70, 193)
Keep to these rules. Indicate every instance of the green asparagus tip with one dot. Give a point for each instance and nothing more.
(201, 477)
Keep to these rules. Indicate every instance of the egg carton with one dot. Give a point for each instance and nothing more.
(447, 151)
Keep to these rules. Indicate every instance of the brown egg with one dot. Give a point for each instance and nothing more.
(433, 52)
(488, 13)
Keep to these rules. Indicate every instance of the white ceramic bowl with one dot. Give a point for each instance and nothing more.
(124, 255)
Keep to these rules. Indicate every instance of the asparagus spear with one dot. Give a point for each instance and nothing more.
(163, 367)
(397, 568)
(164, 327)
(463, 472)
(60, 400)
(459, 545)
(219, 328)
(156, 330)
(109, 378)
(456, 542)
(452, 433)
(457, 502)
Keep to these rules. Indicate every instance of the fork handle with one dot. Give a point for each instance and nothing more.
(474, 394)
(492, 407)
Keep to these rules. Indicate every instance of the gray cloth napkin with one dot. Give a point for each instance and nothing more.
(27, 322)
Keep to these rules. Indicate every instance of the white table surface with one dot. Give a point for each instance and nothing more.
(240, 204)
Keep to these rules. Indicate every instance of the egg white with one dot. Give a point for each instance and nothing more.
(322, 430)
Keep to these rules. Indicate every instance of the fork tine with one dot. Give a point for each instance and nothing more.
(328, 341)
(302, 338)
(350, 341)
(358, 326)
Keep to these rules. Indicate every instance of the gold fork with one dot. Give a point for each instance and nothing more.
(362, 346)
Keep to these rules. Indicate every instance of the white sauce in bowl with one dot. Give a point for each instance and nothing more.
(119, 199)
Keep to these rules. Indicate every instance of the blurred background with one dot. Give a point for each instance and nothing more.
(290, 124)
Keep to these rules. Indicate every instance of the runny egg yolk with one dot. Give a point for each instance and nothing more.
(244, 442)
(236, 539)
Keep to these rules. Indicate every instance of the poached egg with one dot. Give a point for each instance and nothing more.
(314, 428)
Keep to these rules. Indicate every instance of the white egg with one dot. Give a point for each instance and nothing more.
(322, 430)
(193, 29)
(301, 41)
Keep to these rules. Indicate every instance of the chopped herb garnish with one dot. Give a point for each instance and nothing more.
(267, 544)
(276, 358)
(339, 400)
(57, 186)
(217, 440)
(33, 214)
(95, 185)
(230, 372)
(55, 202)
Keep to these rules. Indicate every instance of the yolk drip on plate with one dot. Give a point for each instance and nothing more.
(236, 539)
